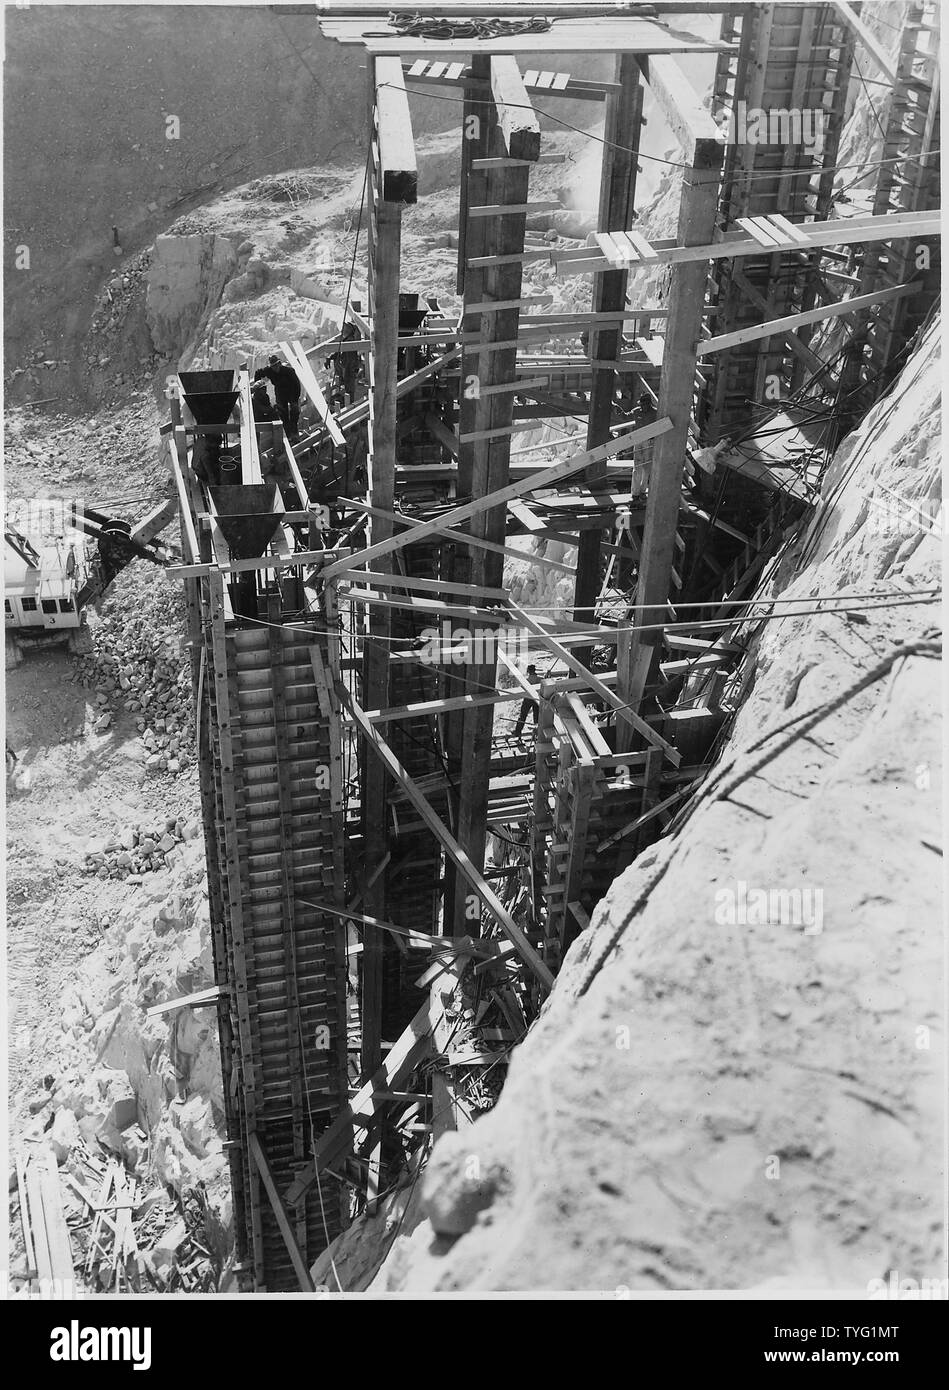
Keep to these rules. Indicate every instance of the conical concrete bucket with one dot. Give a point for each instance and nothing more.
(211, 407)
(207, 381)
(246, 517)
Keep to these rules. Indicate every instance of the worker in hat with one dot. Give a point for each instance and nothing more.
(286, 389)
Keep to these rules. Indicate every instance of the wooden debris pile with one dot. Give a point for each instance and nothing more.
(93, 1224)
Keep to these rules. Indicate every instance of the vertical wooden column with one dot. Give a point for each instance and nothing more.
(703, 147)
(617, 199)
(390, 184)
(512, 133)
(471, 242)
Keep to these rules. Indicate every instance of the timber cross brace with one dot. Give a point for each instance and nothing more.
(459, 659)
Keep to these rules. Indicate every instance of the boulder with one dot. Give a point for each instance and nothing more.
(63, 1134)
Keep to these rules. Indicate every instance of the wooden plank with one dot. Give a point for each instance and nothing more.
(463, 538)
(178, 461)
(427, 708)
(644, 819)
(25, 1225)
(494, 210)
(797, 234)
(543, 478)
(647, 253)
(617, 256)
(869, 41)
(758, 228)
(840, 231)
(481, 887)
(399, 173)
(569, 36)
(197, 1000)
(494, 306)
(682, 108)
(792, 321)
(256, 562)
(517, 121)
(57, 1232)
(595, 684)
(296, 358)
(41, 1250)
(424, 607)
(295, 473)
(255, 1148)
(336, 1141)
(436, 586)
(518, 387)
(250, 457)
(503, 162)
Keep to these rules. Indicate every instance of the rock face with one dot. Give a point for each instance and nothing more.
(184, 285)
(736, 1082)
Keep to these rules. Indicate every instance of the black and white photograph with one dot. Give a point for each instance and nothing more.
(472, 483)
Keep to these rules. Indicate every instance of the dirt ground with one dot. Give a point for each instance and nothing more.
(82, 788)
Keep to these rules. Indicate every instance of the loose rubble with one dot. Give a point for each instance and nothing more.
(138, 851)
(139, 664)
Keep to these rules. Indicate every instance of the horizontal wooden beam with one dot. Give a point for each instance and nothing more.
(840, 231)
(257, 562)
(436, 586)
(424, 607)
(426, 709)
(502, 162)
(513, 209)
(198, 1000)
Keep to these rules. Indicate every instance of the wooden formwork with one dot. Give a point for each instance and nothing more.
(585, 793)
(792, 59)
(270, 781)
